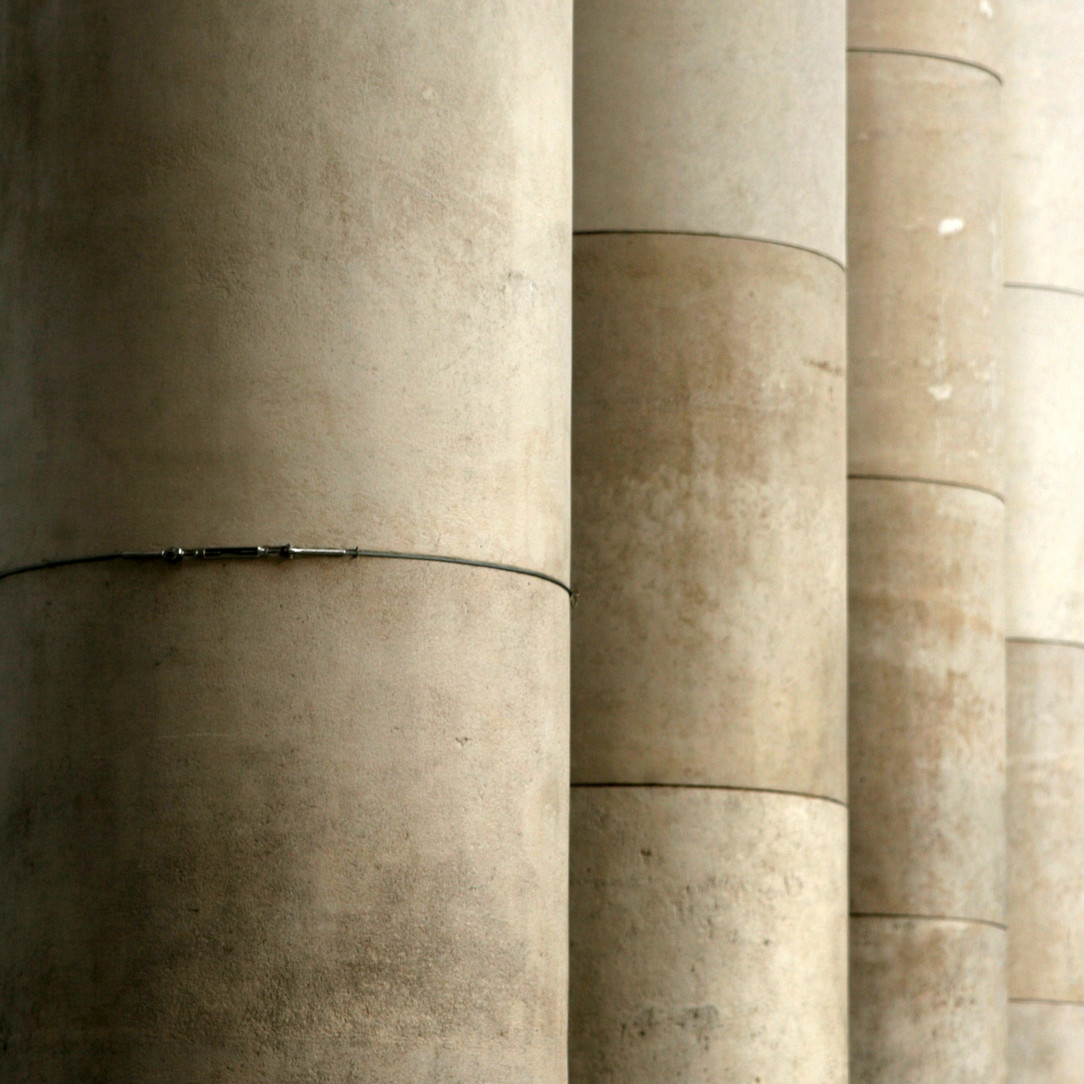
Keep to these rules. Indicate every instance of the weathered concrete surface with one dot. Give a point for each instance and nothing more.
(285, 273)
(927, 701)
(968, 30)
(926, 544)
(735, 118)
(709, 940)
(1044, 254)
(1044, 530)
(1044, 129)
(1046, 821)
(927, 1002)
(923, 249)
(297, 821)
(709, 925)
(1046, 1043)
(709, 642)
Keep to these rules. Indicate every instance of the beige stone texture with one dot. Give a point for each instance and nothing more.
(924, 258)
(966, 30)
(709, 640)
(1046, 1043)
(928, 1002)
(927, 701)
(1044, 130)
(709, 937)
(712, 116)
(286, 273)
(1044, 528)
(295, 821)
(1046, 821)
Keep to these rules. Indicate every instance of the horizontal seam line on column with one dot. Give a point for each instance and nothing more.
(1046, 287)
(928, 56)
(1046, 1001)
(721, 786)
(931, 918)
(926, 482)
(176, 554)
(1043, 642)
(717, 236)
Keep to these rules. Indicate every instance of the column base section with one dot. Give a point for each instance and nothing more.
(708, 933)
(928, 1001)
(283, 822)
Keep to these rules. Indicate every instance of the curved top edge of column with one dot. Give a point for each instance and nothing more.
(917, 54)
(711, 236)
(177, 555)
(712, 116)
(729, 787)
(951, 484)
(1046, 287)
(969, 30)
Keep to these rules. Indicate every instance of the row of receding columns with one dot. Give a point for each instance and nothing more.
(1044, 324)
(300, 273)
(926, 736)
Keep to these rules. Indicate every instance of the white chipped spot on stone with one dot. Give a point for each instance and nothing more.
(949, 226)
(940, 392)
(986, 9)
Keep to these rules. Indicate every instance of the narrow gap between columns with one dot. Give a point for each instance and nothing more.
(721, 786)
(929, 56)
(709, 233)
(931, 918)
(925, 482)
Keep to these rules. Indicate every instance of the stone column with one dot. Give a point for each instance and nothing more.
(708, 914)
(1044, 309)
(927, 714)
(284, 273)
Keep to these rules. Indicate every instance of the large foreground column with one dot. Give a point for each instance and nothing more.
(927, 718)
(708, 926)
(1044, 309)
(284, 273)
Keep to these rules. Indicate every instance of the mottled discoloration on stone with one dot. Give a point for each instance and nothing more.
(1046, 1043)
(708, 937)
(927, 701)
(709, 642)
(283, 822)
(925, 277)
(927, 1002)
(1044, 528)
(282, 272)
(1046, 821)
(1044, 130)
(712, 116)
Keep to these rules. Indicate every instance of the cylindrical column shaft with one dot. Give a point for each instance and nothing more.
(284, 273)
(927, 713)
(708, 931)
(1044, 309)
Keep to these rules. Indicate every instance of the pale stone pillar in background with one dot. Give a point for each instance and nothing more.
(1044, 312)
(708, 912)
(927, 675)
(284, 273)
